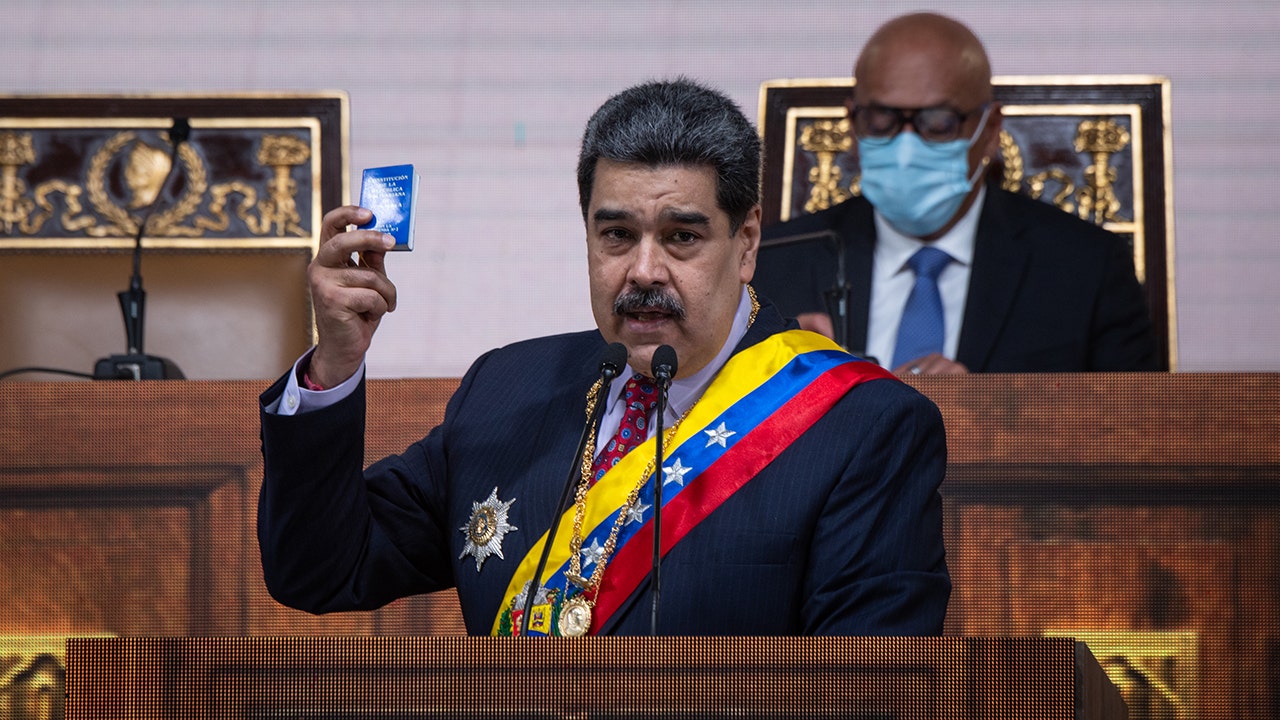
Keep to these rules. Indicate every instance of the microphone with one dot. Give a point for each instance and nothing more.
(663, 368)
(611, 363)
(137, 365)
(615, 358)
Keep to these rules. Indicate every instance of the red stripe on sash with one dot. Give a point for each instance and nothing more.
(632, 562)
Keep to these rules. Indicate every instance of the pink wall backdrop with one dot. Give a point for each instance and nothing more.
(489, 99)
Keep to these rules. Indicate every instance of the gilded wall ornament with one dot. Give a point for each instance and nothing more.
(1101, 138)
(146, 168)
(15, 151)
(125, 173)
(826, 139)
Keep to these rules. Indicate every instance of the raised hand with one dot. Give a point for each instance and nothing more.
(350, 291)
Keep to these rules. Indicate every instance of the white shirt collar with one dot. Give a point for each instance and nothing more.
(893, 249)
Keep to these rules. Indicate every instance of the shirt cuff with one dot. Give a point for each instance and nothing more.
(298, 399)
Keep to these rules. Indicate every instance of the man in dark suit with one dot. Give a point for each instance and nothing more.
(1018, 286)
(799, 484)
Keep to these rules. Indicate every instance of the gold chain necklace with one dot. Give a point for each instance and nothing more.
(575, 617)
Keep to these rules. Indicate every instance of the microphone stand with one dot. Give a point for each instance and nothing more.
(664, 367)
(836, 296)
(609, 369)
(656, 589)
(137, 365)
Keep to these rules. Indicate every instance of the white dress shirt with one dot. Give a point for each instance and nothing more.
(684, 392)
(892, 280)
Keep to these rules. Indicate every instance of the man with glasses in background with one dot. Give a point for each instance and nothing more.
(947, 273)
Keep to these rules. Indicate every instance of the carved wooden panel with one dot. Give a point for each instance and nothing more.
(1137, 511)
(1137, 515)
(255, 172)
(744, 678)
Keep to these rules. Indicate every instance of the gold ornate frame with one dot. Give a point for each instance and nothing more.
(256, 173)
(78, 174)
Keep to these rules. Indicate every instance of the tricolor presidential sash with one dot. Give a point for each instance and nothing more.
(758, 404)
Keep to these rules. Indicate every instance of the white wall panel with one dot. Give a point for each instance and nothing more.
(489, 98)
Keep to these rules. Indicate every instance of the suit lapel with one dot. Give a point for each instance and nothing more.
(999, 264)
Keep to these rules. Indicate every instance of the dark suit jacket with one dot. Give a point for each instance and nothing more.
(841, 534)
(1048, 292)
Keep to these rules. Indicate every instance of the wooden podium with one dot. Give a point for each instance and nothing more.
(1136, 512)
(480, 678)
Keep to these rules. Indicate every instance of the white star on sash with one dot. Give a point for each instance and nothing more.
(719, 436)
(675, 473)
(592, 554)
(636, 513)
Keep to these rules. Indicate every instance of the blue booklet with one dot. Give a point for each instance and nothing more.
(390, 192)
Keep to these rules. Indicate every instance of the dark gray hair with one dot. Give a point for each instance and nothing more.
(676, 122)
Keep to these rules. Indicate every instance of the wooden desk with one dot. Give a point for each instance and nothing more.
(727, 678)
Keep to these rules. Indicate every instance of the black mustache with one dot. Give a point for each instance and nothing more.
(647, 300)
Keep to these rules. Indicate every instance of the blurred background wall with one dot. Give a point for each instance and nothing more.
(489, 100)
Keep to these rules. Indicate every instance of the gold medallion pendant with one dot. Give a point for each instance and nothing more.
(576, 614)
(575, 618)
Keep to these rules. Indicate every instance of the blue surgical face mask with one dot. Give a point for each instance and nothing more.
(918, 186)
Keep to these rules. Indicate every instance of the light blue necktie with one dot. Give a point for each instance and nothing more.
(921, 330)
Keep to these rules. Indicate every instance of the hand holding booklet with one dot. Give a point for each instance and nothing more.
(390, 193)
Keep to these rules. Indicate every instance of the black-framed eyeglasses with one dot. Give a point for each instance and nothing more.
(940, 123)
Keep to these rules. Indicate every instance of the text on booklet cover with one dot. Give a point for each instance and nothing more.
(389, 192)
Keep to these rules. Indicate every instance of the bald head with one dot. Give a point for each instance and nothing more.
(926, 61)
(922, 60)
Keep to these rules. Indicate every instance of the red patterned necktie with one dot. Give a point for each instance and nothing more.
(641, 396)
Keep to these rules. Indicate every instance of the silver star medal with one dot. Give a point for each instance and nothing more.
(486, 528)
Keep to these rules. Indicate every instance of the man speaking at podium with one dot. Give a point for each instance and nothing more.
(799, 486)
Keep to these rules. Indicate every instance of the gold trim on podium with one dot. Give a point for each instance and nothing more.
(1157, 673)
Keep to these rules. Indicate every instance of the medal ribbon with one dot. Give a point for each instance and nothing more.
(733, 432)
